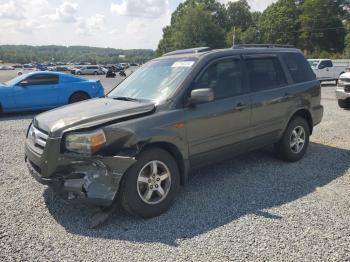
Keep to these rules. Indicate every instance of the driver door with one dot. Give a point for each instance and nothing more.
(39, 91)
(217, 129)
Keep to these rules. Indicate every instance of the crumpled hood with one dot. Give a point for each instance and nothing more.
(89, 113)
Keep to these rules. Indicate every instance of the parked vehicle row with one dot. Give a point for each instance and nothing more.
(184, 110)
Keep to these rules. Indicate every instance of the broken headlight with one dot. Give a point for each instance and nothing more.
(85, 142)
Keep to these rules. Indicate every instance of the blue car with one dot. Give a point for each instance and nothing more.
(46, 90)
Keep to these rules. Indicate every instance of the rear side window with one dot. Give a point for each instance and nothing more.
(299, 69)
(47, 79)
(265, 73)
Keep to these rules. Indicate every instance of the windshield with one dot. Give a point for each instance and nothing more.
(155, 80)
(313, 63)
(16, 80)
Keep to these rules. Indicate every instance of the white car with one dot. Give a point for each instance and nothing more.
(90, 70)
(5, 67)
(325, 70)
(343, 90)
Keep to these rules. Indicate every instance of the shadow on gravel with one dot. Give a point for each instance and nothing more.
(18, 116)
(216, 196)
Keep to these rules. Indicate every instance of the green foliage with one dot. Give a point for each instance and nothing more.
(279, 23)
(316, 26)
(192, 27)
(321, 27)
(238, 14)
(78, 54)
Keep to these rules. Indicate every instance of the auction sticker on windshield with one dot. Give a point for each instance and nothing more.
(183, 64)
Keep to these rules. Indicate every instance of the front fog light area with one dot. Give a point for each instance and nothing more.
(85, 142)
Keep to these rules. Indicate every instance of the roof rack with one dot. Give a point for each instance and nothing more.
(189, 51)
(262, 46)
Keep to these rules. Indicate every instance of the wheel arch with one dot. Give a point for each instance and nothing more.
(174, 151)
(78, 92)
(304, 113)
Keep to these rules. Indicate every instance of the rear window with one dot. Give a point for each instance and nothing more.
(299, 69)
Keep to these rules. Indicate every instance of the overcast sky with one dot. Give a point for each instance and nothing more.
(122, 24)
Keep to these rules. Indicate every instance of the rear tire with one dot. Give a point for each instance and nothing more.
(78, 97)
(344, 103)
(147, 193)
(295, 140)
(95, 73)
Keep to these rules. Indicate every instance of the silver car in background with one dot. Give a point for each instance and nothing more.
(90, 70)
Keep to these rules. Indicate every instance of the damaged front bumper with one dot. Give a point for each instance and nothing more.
(89, 179)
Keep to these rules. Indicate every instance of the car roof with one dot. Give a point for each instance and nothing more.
(46, 73)
(205, 51)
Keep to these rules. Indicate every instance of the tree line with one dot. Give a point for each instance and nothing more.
(321, 28)
(73, 54)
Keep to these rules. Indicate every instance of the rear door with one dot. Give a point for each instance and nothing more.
(38, 91)
(271, 98)
(214, 128)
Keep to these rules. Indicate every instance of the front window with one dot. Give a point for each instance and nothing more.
(156, 80)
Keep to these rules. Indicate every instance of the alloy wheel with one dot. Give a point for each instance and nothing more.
(154, 182)
(297, 139)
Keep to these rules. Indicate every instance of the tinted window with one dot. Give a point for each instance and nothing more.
(326, 63)
(298, 67)
(92, 67)
(224, 77)
(265, 73)
(42, 79)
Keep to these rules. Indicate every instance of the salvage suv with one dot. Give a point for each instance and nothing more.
(183, 110)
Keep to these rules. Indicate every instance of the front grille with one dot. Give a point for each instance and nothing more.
(37, 137)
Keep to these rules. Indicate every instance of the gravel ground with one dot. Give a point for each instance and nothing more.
(254, 207)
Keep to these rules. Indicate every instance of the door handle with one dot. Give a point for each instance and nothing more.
(241, 106)
(285, 97)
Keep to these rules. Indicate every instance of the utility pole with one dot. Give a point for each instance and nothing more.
(233, 37)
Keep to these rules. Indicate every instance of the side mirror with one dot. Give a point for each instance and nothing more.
(321, 67)
(23, 83)
(202, 95)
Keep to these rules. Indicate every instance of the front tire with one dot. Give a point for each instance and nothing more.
(151, 185)
(295, 140)
(344, 103)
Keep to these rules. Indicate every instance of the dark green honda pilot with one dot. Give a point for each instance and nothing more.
(183, 110)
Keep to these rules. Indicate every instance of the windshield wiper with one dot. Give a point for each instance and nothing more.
(124, 98)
